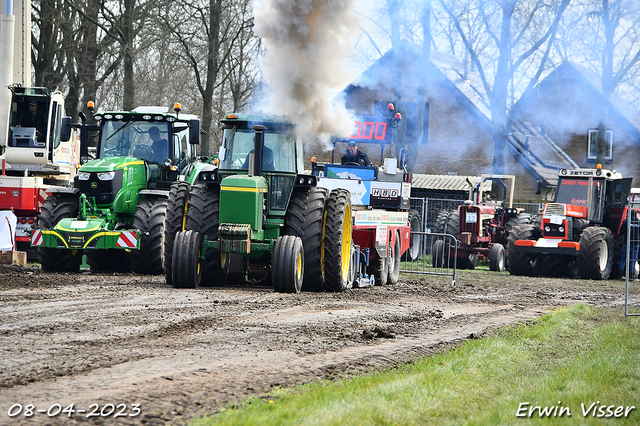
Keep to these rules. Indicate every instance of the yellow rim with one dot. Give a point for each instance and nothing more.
(223, 259)
(299, 273)
(346, 242)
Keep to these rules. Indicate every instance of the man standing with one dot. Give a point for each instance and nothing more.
(354, 155)
(35, 120)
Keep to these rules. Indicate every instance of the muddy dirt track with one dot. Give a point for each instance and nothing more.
(92, 340)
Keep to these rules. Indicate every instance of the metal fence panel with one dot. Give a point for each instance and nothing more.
(433, 257)
(630, 258)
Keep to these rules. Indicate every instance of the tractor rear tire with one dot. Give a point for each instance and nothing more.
(304, 219)
(496, 258)
(109, 260)
(203, 213)
(187, 266)
(337, 240)
(522, 263)
(393, 254)
(415, 225)
(149, 219)
(438, 259)
(595, 258)
(288, 264)
(54, 209)
(519, 219)
(441, 221)
(174, 222)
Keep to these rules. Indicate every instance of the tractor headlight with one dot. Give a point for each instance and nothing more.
(106, 175)
(547, 228)
(84, 176)
(561, 229)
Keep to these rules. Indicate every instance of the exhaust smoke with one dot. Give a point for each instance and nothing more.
(306, 44)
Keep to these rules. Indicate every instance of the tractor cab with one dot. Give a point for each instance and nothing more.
(281, 150)
(35, 144)
(165, 142)
(594, 195)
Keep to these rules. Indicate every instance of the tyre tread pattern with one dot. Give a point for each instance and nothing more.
(304, 219)
(174, 222)
(149, 219)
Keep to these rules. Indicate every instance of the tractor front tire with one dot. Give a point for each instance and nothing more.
(393, 254)
(174, 222)
(304, 219)
(337, 240)
(415, 225)
(149, 219)
(203, 216)
(496, 258)
(438, 259)
(595, 258)
(54, 209)
(522, 263)
(288, 264)
(187, 266)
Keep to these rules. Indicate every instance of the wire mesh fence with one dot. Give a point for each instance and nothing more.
(629, 263)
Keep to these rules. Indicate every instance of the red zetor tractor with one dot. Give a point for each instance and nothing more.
(580, 234)
(480, 226)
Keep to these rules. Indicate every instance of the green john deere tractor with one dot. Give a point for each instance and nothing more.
(118, 209)
(260, 207)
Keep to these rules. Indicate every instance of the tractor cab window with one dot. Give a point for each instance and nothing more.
(572, 191)
(183, 152)
(139, 139)
(278, 155)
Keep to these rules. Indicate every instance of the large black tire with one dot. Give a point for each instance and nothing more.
(595, 258)
(337, 240)
(110, 260)
(174, 222)
(203, 215)
(393, 254)
(304, 219)
(496, 258)
(415, 225)
(379, 268)
(149, 219)
(441, 221)
(187, 266)
(438, 254)
(522, 263)
(54, 209)
(468, 262)
(519, 219)
(288, 264)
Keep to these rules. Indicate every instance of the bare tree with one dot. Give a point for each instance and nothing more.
(614, 37)
(520, 34)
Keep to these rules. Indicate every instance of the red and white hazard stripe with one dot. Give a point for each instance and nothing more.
(42, 194)
(36, 238)
(127, 239)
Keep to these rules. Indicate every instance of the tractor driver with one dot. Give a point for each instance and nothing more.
(268, 163)
(354, 155)
(159, 146)
(35, 120)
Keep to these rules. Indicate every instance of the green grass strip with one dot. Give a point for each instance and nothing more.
(572, 356)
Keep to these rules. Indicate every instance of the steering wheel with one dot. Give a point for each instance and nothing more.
(143, 151)
(350, 163)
